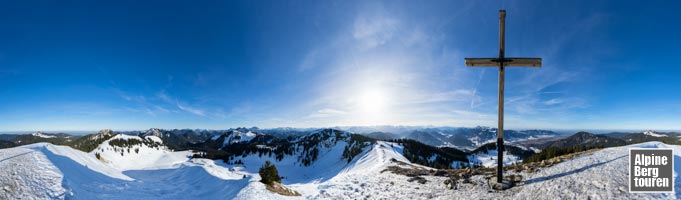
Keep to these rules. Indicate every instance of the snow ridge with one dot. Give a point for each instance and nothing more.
(653, 133)
(42, 135)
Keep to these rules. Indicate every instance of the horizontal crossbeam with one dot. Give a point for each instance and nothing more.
(494, 62)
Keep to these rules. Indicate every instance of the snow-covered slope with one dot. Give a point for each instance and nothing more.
(46, 171)
(364, 178)
(328, 172)
(377, 158)
(144, 153)
(599, 175)
(328, 164)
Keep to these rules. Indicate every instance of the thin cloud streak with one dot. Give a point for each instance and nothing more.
(191, 110)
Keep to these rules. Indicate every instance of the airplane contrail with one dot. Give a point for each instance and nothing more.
(475, 90)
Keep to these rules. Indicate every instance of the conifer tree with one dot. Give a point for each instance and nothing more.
(269, 173)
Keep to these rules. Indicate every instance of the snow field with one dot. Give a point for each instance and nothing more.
(46, 171)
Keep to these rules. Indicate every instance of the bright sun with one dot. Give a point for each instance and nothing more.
(372, 102)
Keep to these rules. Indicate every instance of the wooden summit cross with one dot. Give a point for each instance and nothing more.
(502, 62)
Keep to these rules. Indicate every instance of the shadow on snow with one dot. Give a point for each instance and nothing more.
(545, 178)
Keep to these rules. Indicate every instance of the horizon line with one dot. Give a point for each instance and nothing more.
(282, 127)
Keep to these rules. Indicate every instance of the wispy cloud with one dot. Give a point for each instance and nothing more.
(331, 111)
(190, 109)
(161, 109)
(163, 95)
(420, 75)
(374, 30)
(326, 113)
(553, 101)
(140, 103)
(128, 97)
(458, 95)
(394, 58)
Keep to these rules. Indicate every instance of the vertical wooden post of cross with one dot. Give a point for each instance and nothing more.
(502, 62)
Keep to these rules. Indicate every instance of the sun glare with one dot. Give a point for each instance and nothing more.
(372, 102)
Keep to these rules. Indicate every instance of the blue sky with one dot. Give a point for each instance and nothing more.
(89, 65)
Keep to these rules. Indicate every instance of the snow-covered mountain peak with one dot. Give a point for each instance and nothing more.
(380, 155)
(244, 129)
(42, 135)
(235, 136)
(326, 133)
(154, 132)
(103, 134)
(653, 133)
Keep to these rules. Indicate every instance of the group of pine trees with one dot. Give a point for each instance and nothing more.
(355, 146)
(124, 142)
(468, 165)
(89, 143)
(269, 174)
(308, 148)
(275, 147)
(119, 142)
(436, 157)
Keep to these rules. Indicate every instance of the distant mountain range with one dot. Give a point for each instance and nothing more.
(589, 140)
(462, 138)
(439, 147)
(305, 145)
